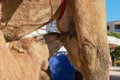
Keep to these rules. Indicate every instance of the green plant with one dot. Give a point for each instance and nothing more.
(116, 52)
(115, 34)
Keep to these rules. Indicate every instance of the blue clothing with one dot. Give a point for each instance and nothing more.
(61, 68)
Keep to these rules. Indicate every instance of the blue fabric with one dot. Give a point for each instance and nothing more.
(60, 68)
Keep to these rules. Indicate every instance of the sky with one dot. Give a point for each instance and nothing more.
(112, 10)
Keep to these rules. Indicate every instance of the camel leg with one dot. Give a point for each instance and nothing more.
(67, 28)
(89, 17)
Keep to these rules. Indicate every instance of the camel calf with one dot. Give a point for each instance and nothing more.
(32, 57)
(26, 59)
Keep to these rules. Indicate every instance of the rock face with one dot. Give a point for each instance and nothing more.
(26, 59)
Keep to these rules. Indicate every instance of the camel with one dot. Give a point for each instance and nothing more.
(20, 59)
(90, 22)
(89, 42)
(20, 17)
(27, 58)
(84, 31)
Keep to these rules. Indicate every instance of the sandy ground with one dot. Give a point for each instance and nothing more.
(115, 73)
